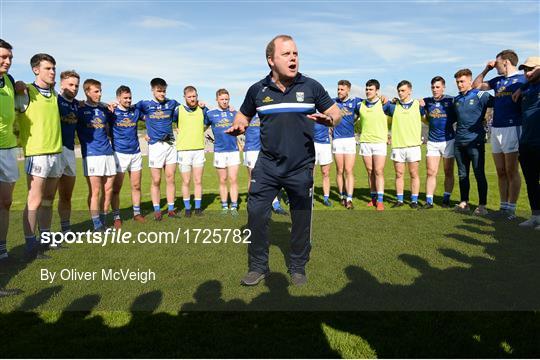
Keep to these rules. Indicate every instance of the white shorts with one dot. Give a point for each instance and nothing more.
(505, 140)
(101, 165)
(323, 154)
(226, 159)
(161, 154)
(344, 146)
(373, 149)
(250, 158)
(189, 158)
(44, 166)
(407, 155)
(9, 170)
(441, 148)
(69, 165)
(128, 162)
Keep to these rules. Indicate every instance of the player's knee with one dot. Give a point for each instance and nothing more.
(501, 171)
(431, 172)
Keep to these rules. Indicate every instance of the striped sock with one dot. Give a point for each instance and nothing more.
(187, 204)
(157, 208)
(234, 205)
(116, 214)
(198, 203)
(103, 218)
(170, 206)
(136, 210)
(503, 205)
(224, 205)
(380, 197)
(3, 247)
(511, 207)
(65, 225)
(30, 242)
(429, 199)
(414, 198)
(446, 197)
(326, 198)
(97, 222)
(399, 197)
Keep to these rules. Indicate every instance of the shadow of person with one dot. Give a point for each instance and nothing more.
(208, 297)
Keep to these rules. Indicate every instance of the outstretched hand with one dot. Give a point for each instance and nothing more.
(238, 127)
(321, 119)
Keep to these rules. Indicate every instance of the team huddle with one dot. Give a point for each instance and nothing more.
(109, 142)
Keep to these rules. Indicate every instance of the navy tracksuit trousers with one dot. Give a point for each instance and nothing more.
(265, 185)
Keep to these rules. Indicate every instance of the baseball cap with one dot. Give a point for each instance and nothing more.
(531, 62)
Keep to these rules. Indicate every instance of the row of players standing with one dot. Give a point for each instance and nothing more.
(456, 130)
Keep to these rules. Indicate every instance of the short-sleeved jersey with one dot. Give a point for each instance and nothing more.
(221, 120)
(470, 113)
(124, 130)
(441, 117)
(530, 107)
(321, 134)
(92, 130)
(286, 131)
(253, 135)
(349, 110)
(505, 111)
(68, 119)
(158, 117)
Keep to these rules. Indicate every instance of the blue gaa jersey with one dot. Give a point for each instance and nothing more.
(321, 134)
(286, 132)
(470, 113)
(506, 112)
(221, 120)
(159, 118)
(349, 110)
(124, 130)
(390, 108)
(92, 131)
(530, 105)
(68, 120)
(441, 117)
(253, 135)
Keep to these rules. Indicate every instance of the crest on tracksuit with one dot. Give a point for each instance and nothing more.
(300, 96)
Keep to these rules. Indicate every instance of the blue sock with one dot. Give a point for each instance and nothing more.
(198, 203)
(349, 197)
(326, 198)
(187, 204)
(30, 242)
(116, 214)
(157, 208)
(414, 198)
(224, 205)
(97, 222)
(373, 195)
(3, 247)
(429, 199)
(503, 206)
(136, 210)
(275, 204)
(380, 197)
(170, 206)
(446, 197)
(65, 225)
(400, 197)
(234, 205)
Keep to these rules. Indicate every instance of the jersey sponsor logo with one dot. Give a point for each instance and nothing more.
(70, 118)
(125, 122)
(299, 96)
(267, 99)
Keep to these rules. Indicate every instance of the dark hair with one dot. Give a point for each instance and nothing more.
(158, 82)
(122, 89)
(463, 72)
(90, 82)
(221, 92)
(438, 78)
(346, 83)
(271, 47)
(189, 88)
(5, 45)
(69, 73)
(404, 82)
(509, 55)
(38, 58)
(373, 82)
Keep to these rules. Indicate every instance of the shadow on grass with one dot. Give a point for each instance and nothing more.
(506, 279)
